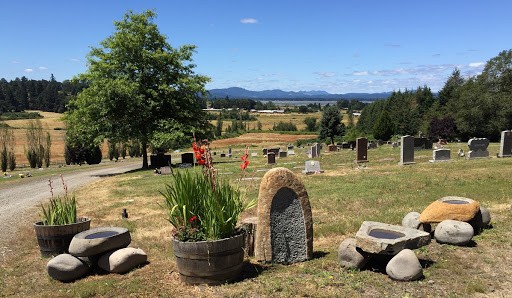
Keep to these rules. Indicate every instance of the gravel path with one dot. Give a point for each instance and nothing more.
(18, 198)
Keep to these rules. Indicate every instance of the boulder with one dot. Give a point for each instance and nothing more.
(122, 260)
(454, 232)
(350, 256)
(486, 216)
(451, 207)
(98, 241)
(66, 267)
(380, 238)
(405, 266)
(412, 220)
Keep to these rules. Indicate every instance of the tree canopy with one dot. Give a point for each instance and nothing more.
(139, 88)
(330, 124)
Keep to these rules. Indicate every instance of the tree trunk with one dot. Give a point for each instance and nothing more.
(144, 155)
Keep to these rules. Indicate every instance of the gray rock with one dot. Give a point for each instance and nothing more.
(412, 220)
(405, 266)
(454, 232)
(380, 238)
(65, 267)
(122, 260)
(98, 241)
(349, 256)
(486, 216)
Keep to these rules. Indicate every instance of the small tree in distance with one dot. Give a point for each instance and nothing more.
(330, 124)
(384, 128)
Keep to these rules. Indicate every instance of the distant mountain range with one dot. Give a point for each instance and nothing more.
(235, 93)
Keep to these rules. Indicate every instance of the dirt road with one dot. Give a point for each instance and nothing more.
(17, 199)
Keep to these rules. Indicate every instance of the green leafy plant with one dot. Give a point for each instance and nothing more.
(60, 210)
(202, 207)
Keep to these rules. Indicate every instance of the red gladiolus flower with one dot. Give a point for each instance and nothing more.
(193, 218)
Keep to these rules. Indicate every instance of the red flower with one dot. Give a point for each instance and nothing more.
(193, 218)
(244, 165)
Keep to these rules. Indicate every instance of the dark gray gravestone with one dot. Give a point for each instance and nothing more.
(287, 231)
(441, 155)
(264, 151)
(223, 155)
(229, 152)
(165, 171)
(318, 149)
(506, 144)
(160, 160)
(283, 154)
(313, 151)
(271, 158)
(187, 158)
(361, 150)
(478, 148)
(407, 150)
(274, 150)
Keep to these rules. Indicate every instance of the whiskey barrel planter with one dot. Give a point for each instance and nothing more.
(54, 240)
(209, 262)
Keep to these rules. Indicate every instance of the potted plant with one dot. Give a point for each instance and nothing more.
(59, 223)
(204, 212)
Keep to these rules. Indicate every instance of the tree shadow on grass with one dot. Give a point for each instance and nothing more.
(319, 254)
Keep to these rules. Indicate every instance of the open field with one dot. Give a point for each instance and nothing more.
(341, 199)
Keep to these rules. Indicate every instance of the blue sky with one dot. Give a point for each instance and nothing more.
(335, 46)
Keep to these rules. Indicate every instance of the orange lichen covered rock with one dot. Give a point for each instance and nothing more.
(455, 208)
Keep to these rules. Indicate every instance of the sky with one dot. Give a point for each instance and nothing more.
(293, 45)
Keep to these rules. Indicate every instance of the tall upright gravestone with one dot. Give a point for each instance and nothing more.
(506, 144)
(407, 150)
(361, 150)
(285, 221)
(478, 148)
(313, 151)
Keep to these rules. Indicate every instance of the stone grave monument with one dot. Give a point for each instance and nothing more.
(407, 151)
(361, 150)
(187, 158)
(332, 148)
(254, 154)
(441, 155)
(313, 151)
(271, 158)
(506, 144)
(478, 148)
(265, 151)
(318, 149)
(283, 154)
(229, 152)
(285, 223)
(312, 167)
(291, 152)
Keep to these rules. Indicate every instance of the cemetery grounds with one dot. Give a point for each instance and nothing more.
(341, 199)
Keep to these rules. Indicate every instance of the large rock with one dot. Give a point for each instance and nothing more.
(350, 256)
(380, 238)
(122, 260)
(486, 216)
(454, 232)
(98, 241)
(405, 266)
(412, 220)
(66, 267)
(451, 207)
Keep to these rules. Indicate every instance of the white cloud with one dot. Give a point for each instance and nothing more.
(326, 74)
(29, 70)
(476, 64)
(42, 68)
(74, 60)
(360, 73)
(249, 21)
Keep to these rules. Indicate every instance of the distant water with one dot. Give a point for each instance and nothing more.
(293, 103)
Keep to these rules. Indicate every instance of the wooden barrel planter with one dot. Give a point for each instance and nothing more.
(54, 240)
(209, 262)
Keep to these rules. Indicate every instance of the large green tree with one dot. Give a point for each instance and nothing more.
(330, 124)
(139, 88)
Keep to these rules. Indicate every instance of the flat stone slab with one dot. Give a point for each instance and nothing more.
(98, 241)
(450, 207)
(380, 238)
(122, 260)
(66, 267)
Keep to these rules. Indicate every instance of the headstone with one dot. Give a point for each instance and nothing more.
(275, 150)
(264, 151)
(312, 167)
(407, 150)
(271, 158)
(332, 148)
(441, 155)
(229, 152)
(313, 151)
(187, 158)
(428, 144)
(361, 150)
(352, 145)
(254, 154)
(372, 145)
(289, 147)
(165, 170)
(283, 154)
(291, 152)
(506, 144)
(420, 143)
(345, 145)
(478, 148)
(223, 155)
(160, 160)
(285, 221)
(318, 149)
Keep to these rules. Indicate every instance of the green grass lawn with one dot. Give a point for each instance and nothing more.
(341, 198)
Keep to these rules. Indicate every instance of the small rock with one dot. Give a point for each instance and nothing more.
(411, 220)
(405, 266)
(66, 267)
(454, 232)
(486, 216)
(122, 260)
(350, 256)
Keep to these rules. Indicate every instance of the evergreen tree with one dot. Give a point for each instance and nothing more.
(330, 124)
(384, 128)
